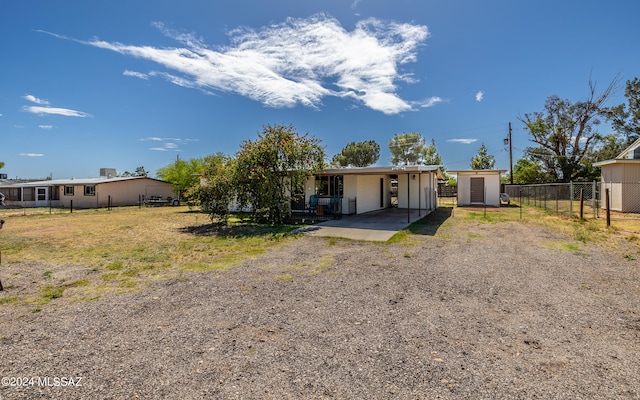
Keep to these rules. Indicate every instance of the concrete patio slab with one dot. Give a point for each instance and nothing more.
(378, 226)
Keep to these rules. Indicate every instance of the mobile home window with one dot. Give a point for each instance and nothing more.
(90, 190)
(68, 190)
(29, 194)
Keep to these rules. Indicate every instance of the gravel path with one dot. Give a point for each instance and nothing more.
(476, 310)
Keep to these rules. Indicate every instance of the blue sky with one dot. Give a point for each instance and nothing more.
(121, 84)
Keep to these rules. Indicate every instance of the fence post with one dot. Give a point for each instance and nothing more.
(571, 199)
(581, 203)
(594, 196)
(607, 206)
(521, 205)
(71, 206)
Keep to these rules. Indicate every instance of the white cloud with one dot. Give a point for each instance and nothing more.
(43, 108)
(168, 144)
(31, 154)
(48, 127)
(55, 111)
(299, 61)
(463, 141)
(36, 100)
(136, 74)
(431, 102)
(479, 96)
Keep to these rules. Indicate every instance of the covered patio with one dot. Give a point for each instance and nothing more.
(377, 226)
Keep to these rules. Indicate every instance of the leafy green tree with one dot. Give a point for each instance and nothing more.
(432, 157)
(407, 149)
(218, 192)
(182, 173)
(357, 154)
(269, 169)
(140, 171)
(1, 164)
(625, 119)
(565, 132)
(526, 172)
(483, 160)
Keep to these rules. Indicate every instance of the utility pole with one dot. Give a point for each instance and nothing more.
(508, 140)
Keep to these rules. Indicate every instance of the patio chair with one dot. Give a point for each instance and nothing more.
(313, 204)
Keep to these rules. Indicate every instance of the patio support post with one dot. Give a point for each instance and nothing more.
(419, 192)
(408, 199)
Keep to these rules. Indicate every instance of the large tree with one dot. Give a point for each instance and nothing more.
(407, 149)
(483, 160)
(182, 173)
(565, 132)
(269, 169)
(625, 119)
(357, 154)
(526, 171)
(218, 191)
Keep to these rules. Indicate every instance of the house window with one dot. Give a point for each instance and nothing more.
(54, 193)
(329, 185)
(12, 194)
(90, 190)
(28, 194)
(68, 190)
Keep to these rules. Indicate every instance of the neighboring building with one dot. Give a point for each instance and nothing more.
(365, 189)
(478, 187)
(85, 193)
(622, 177)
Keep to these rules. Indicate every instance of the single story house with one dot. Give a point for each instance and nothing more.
(364, 189)
(622, 177)
(478, 187)
(85, 193)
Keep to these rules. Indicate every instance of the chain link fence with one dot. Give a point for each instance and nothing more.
(581, 199)
(566, 199)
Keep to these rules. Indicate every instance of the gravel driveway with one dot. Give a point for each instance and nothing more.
(471, 311)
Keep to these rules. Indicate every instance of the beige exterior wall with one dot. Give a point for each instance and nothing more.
(491, 183)
(122, 192)
(624, 194)
(422, 190)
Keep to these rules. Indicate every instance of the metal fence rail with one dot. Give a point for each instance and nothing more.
(562, 198)
(581, 199)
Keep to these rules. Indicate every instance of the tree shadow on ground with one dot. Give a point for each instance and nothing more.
(430, 224)
(237, 230)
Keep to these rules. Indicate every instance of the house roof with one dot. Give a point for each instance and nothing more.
(628, 152)
(616, 161)
(82, 181)
(626, 157)
(415, 169)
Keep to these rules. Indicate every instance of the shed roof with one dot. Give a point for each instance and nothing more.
(477, 172)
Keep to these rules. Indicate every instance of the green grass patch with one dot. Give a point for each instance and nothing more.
(284, 277)
(80, 283)
(112, 276)
(51, 292)
(114, 266)
(562, 246)
(10, 300)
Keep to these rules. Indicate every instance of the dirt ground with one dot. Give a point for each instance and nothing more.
(465, 310)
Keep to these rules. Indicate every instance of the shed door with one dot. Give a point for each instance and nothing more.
(477, 190)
